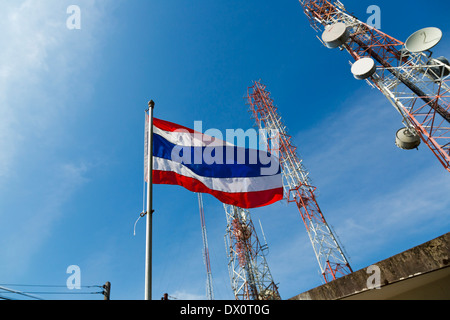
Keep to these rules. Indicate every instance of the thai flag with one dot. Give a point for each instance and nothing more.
(200, 163)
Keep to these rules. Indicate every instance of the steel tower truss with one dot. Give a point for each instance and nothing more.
(249, 272)
(297, 185)
(209, 281)
(408, 80)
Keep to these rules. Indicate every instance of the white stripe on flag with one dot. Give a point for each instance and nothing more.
(231, 185)
(188, 139)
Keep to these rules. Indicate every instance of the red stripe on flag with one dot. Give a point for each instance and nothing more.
(171, 127)
(245, 200)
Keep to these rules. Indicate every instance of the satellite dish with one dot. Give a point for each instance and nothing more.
(423, 40)
(335, 35)
(364, 68)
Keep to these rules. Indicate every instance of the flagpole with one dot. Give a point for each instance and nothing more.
(148, 249)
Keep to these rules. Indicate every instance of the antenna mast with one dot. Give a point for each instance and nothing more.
(297, 186)
(209, 283)
(416, 84)
(249, 272)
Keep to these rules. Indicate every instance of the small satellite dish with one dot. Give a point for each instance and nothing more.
(423, 40)
(335, 35)
(364, 68)
(440, 69)
(406, 140)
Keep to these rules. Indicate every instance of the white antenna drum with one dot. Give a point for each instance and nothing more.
(423, 40)
(364, 68)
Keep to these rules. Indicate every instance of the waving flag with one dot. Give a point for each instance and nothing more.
(242, 177)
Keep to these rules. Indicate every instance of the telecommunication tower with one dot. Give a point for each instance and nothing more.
(297, 185)
(249, 272)
(415, 83)
(209, 282)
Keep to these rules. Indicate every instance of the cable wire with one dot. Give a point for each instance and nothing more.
(50, 292)
(31, 294)
(7, 290)
(45, 285)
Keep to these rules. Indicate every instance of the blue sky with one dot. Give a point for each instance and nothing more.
(71, 140)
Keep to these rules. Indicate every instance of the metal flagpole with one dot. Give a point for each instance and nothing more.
(148, 249)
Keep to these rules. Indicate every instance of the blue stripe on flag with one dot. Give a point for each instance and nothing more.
(212, 161)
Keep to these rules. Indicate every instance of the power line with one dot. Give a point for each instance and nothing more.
(31, 293)
(45, 285)
(7, 290)
(52, 292)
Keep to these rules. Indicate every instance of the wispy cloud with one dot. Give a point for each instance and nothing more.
(29, 35)
(39, 67)
(357, 136)
(372, 192)
(40, 63)
(184, 295)
(31, 221)
(395, 221)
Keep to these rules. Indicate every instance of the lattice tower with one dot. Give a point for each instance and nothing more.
(249, 271)
(297, 185)
(416, 84)
(209, 279)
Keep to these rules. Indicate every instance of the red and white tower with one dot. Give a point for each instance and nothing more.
(249, 272)
(416, 84)
(209, 280)
(297, 186)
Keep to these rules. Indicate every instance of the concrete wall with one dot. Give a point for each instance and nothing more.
(421, 273)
